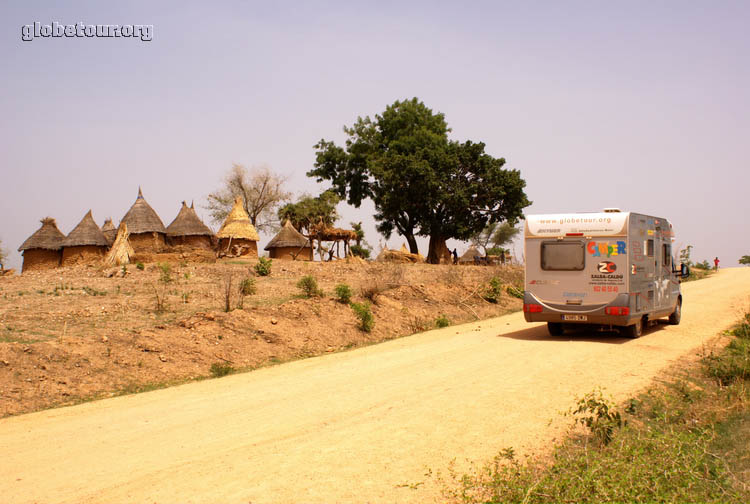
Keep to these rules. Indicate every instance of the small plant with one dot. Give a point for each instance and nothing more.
(372, 291)
(124, 269)
(365, 316)
(165, 273)
(418, 325)
(263, 268)
(597, 413)
(493, 292)
(309, 286)
(343, 293)
(219, 369)
(246, 288)
(186, 297)
(514, 291)
(186, 275)
(442, 321)
(139, 265)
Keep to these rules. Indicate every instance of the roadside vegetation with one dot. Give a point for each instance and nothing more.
(684, 440)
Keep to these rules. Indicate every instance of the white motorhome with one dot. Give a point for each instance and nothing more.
(609, 269)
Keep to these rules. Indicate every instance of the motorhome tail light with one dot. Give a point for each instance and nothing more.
(532, 308)
(573, 234)
(617, 310)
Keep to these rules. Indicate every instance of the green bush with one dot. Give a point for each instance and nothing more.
(365, 316)
(493, 292)
(343, 293)
(165, 273)
(139, 265)
(442, 321)
(309, 286)
(514, 291)
(360, 251)
(247, 287)
(263, 268)
(219, 369)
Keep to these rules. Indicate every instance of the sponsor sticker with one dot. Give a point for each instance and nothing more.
(608, 249)
(607, 267)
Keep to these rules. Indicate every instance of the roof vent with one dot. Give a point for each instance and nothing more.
(612, 210)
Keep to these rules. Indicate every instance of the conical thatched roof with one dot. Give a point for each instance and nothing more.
(470, 254)
(237, 224)
(46, 237)
(404, 249)
(187, 223)
(109, 230)
(141, 218)
(288, 237)
(86, 233)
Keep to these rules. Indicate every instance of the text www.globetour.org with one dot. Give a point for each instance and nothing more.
(38, 30)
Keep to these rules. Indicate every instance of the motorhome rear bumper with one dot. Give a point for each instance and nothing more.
(614, 320)
(577, 314)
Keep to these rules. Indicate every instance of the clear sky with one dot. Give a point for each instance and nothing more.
(639, 105)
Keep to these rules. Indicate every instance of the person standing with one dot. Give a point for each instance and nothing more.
(455, 256)
(716, 264)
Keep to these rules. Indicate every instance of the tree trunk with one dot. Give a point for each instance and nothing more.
(437, 246)
(412, 241)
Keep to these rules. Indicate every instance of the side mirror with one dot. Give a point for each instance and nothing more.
(684, 270)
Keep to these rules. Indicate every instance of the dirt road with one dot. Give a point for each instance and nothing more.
(360, 426)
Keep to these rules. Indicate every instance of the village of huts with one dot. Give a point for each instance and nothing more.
(141, 236)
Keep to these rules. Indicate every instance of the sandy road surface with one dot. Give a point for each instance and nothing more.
(347, 427)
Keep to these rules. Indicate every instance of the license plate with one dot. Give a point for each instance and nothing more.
(574, 317)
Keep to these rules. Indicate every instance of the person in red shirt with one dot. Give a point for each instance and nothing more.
(716, 263)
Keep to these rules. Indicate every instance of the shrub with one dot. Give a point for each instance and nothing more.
(165, 273)
(309, 286)
(365, 316)
(442, 321)
(343, 293)
(263, 268)
(360, 251)
(219, 369)
(493, 292)
(514, 291)
(140, 266)
(246, 288)
(596, 413)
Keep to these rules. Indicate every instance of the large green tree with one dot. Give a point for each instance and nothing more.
(421, 182)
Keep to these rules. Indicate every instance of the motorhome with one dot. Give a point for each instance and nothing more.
(607, 270)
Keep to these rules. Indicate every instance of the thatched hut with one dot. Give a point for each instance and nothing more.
(42, 249)
(86, 244)
(237, 236)
(147, 232)
(188, 230)
(469, 256)
(109, 230)
(289, 244)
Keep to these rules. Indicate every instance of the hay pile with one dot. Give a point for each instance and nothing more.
(121, 252)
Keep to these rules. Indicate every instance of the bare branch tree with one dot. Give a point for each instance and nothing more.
(260, 188)
(496, 234)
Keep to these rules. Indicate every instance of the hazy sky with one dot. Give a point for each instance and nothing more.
(640, 105)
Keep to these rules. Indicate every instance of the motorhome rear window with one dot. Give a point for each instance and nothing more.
(563, 255)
